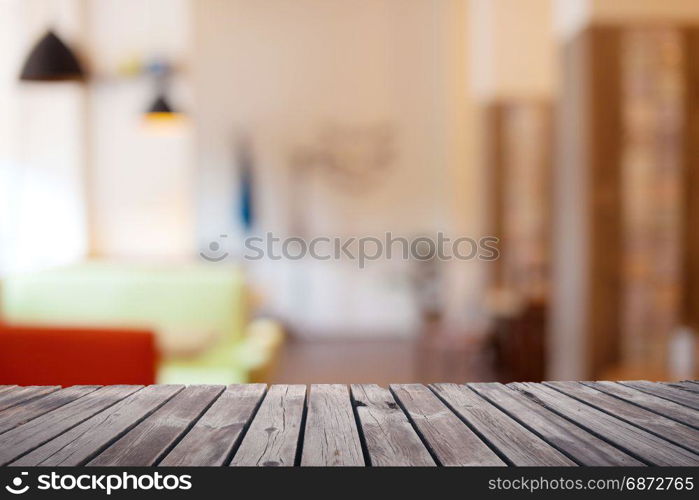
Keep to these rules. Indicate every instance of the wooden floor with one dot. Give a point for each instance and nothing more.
(382, 362)
(348, 362)
(555, 423)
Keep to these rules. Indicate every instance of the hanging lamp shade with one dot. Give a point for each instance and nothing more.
(160, 106)
(161, 114)
(51, 60)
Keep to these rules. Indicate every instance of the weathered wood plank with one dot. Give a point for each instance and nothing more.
(685, 398)
(331, 437)
(684, 385)
(273, 437)
(18, 395)
(451, 441)
(680, 434)
(20, 414)
(519, 445)
(390, 438)
(78, 445)
(643, 445)
(661, 406)
(580, 445)
(151, 439)
(590, 423)
(217, 433)
(36, 432)
(5, 388)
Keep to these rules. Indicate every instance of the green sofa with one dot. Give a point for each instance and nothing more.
(197, 311)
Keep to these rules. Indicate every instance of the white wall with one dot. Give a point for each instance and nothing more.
(41, 144)
(141, 179)
(573, 15)
(513, 49)
(69, 151)
(280, 70)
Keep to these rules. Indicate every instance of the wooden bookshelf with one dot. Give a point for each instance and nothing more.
(626, 263)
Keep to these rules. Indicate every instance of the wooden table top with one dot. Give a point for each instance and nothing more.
(554, 423)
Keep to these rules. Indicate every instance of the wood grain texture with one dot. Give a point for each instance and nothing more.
(519, 445)
(36, 432)
(690, 186)
(451, 441)
(494, 148)
(273, 437)
(555, 423)
(151, 439)
(685, 398)
(17, 395)
(601, 133)
(680, 434)
(685, 385)
(642, 445)
(661, 406)
(78, 445)
(331, 437)
(217, 433)
(390, 438)
(580, 445)
(28, 410)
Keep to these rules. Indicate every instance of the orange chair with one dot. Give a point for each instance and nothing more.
(41, 355)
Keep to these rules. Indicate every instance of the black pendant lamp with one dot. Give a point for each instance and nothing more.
(51, 60)
(160, 105)
(161, 112)
(160, 109)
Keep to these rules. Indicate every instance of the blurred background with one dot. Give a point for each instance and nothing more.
(137, 136)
